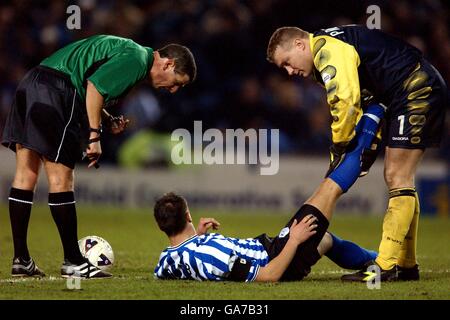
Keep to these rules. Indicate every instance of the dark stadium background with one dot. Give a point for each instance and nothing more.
(236, 86)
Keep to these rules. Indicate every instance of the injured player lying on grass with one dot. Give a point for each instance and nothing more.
(195, 254)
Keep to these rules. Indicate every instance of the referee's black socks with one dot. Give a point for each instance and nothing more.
(62, 206)
(20, 202)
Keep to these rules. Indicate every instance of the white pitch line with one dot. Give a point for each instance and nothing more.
(14, 280)
(331, 272)
(52, 278)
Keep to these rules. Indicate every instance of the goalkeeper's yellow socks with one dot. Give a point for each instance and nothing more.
(396, 223)
(407, 258)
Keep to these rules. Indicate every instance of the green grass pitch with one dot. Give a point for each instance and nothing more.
(137, 243)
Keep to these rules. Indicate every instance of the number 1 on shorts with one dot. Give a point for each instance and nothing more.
(402, 124)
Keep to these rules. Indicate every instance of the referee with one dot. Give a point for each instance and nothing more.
(56, 116)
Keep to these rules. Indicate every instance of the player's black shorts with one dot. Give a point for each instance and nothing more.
(416, 115)
(306, 255)
(47, 116)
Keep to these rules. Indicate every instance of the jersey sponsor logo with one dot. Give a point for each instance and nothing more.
(328, 73)
(326, 77)
(284, 232)
(400, 138)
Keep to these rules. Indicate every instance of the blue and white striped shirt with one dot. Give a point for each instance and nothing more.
(210, 257)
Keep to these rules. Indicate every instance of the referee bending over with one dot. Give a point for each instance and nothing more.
(56, 115)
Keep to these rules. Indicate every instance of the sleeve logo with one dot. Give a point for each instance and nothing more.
(284, 232)
(326, 77)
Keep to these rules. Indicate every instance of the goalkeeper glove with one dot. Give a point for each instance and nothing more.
(337, 154)
(369, 156)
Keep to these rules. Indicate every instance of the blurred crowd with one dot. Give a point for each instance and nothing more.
(236, 87)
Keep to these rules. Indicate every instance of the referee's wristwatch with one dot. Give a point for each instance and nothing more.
(98, 131)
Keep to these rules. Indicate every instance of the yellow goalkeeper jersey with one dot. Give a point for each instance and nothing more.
(351, 60)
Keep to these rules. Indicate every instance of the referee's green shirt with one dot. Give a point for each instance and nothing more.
(111, 63)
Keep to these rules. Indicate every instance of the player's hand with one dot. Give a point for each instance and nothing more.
(303, 230)
(118, 124)
(368, 156)
(93, 152)
(205, 224)
(366, 98)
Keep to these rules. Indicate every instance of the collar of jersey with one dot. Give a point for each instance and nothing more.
(183, 243)
(311, 43)
(315, 73)
(150, 58)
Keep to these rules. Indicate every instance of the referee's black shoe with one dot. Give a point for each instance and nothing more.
(84, 270)
(408, 274)
(25, 268)
(371, 272)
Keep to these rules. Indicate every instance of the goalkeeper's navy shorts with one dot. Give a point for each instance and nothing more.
(306, 255)
(416, 115)
(47, 116)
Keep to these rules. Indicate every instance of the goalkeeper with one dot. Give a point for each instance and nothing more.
(354, 63)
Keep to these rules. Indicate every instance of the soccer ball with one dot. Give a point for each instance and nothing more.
(98, 251)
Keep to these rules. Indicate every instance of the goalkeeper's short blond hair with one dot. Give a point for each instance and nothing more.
(281, 36)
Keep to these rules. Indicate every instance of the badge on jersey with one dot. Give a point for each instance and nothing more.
(284, 232)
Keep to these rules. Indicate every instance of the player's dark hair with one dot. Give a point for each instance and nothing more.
(184, 59)
(170, 213)
(281, 36)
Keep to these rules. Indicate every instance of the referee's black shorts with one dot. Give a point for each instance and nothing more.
(307, 254)
(47, 116)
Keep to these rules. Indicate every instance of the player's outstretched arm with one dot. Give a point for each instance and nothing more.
(299, 232)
